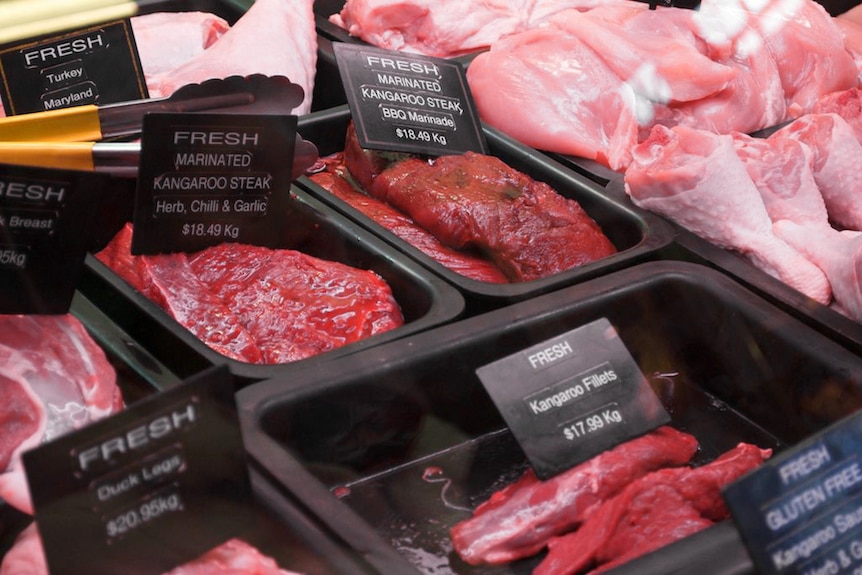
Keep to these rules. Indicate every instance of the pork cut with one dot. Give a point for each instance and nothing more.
(475, 201)
(233, 557)
(53, 379)
(465, 264)
(258, 305)
(650, 512)
(696, 179)
(519, 520)
(274, 38)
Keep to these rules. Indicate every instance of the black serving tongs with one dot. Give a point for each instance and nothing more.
(71, 137)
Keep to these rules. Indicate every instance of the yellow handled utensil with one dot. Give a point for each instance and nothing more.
(119, 159)
(255, 94)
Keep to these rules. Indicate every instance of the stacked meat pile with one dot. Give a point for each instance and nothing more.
(788, 202)
(471, 212)
(621, 504)
(258, 305)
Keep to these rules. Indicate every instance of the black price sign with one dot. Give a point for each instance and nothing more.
(801, 512)
(206, 179)
(44, 219)
(146, 489)
(409, 103)
(97, 65)
(572, 397)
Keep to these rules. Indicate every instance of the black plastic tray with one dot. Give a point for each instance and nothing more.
(315, 229)
(728, 365)
(637, 234)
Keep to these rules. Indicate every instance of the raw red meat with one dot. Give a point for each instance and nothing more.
(234, 557)
(696, 179)
(259, 305)
(474, 201)
(53, 379)
(519, 520)
(467, 265)
(650, 512)
(274, 38)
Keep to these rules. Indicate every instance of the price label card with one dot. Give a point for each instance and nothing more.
(572, 397)
(97, 65)
(801, 511)
(206, 179)
(409, 103)
(45, 216)
(147, 489)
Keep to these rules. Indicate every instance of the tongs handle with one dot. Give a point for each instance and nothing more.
(75, 124)
(64, 155)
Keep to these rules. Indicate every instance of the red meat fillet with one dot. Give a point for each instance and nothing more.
(53, 379)
(259, 305)
(474, 201)
(651, 512)
(519, 520)
(402, 226)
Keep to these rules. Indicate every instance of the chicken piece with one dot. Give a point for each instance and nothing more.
(838, 254)
(546, 88)
(696, 179)
(836, 163)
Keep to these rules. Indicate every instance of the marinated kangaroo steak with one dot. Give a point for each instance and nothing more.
(259, 305)
(468, 265)
(519, 520)
(651, 512)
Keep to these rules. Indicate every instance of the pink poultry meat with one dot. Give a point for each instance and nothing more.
(545, 87)
(838, 254)
(53, 379)
(444, 28)
(781, 169)
(696, 179)
(836, 163)
(274, 38)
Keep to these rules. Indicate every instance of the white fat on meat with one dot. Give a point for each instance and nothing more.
(55, 379)
(836, 152)
(696, 179)
(273, 38)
